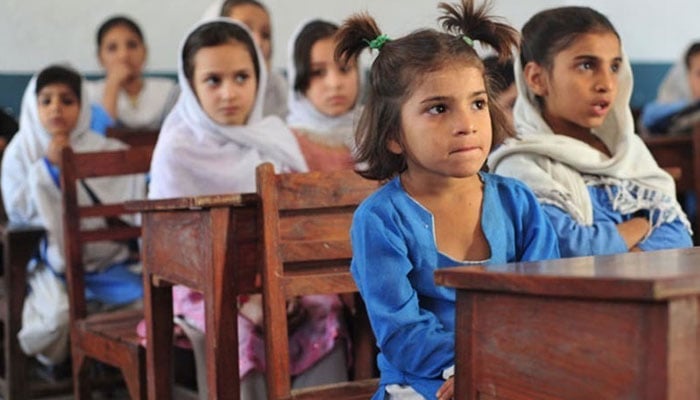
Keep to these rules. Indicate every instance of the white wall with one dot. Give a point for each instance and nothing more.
(34, 33)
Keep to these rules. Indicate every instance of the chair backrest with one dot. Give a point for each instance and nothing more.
(74, 168)
(134, 137)
(306, 222)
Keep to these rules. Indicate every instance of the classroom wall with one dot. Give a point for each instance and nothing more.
(35, 33)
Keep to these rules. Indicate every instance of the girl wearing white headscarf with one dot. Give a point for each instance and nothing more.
(322, 98)
(31, 195)
(202, 152)
(602, 189)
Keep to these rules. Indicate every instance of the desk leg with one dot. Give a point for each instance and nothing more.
(221, 310)
(464, 352)
(158, 310)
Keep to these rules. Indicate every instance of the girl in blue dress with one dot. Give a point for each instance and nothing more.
(427, 128)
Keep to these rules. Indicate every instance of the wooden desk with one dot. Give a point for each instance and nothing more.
(607, 327)
(209, 244)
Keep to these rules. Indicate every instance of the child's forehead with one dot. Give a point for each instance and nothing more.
(56, 87)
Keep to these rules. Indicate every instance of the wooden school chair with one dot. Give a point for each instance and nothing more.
(306, 250)
(108, 337)
(134, 137)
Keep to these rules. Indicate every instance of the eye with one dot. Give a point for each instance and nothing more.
(44, 101)
(480, 104)
(318, 72)
(615, 67)
(347, 68)
(68, 100)
(585, 65)
(437, 109)
(266, 35)
(111, 47)
(212, 80)
(242, 77)
(132, 44)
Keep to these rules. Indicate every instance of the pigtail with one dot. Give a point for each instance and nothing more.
(476, 24)
(354, 36)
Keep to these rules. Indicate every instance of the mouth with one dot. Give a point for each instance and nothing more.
(601, 107)
(464, 149)
(337, 100)
(232, 110)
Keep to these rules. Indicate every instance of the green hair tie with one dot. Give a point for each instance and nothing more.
(468, 40)
(378, 42)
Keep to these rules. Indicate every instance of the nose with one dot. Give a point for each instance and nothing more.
(606, 81)
(228, 90)
(334, 78)
(464, 122)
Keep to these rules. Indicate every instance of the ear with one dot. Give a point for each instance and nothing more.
(394, 146)
(536, 78)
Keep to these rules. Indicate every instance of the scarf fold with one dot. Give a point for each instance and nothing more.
(197, 156)
(559, 168)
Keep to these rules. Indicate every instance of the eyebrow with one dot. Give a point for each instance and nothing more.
(445, 98)
(592, 57)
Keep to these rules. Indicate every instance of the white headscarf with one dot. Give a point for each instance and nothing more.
(197, 156)
(304, 116)
(558, 167)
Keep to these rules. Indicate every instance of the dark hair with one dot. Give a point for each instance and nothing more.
(311, 33)
(231, 4)
(693, 50)
(216, 33)
(119, 20)
(500, 74)
(551, 31)
(401, 63)
(59, 74)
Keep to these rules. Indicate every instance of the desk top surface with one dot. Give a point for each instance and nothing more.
(642, 276)
(194, 203)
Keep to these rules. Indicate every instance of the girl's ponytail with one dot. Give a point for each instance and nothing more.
(474, 24)
(356, 34)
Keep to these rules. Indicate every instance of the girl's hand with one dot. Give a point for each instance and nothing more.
(56, 146)
(117, 75)
(447, 390)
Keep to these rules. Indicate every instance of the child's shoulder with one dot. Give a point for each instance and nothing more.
(383, 201)
(507, 186)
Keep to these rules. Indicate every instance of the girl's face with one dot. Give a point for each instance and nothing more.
(582, 84)
(59, 109)
(121, 45)
(694, 76)
(333, 87)
(258, 21)
(446, 125)
(224, 82)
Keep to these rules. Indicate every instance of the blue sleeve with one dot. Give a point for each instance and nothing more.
(656, 116)
(600, 238)
(671, 235)
(100, 120)
(538, 238)
(411, 338)
(54, 172)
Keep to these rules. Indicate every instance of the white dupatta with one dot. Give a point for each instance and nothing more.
(197, 156)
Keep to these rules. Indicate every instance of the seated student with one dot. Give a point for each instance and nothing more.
(323, 97)
(211, 143)
(55, 115)
(503, 83)
(130, 99)
(576, 145)
(427, 129)
(256, 17)
(656, 116)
